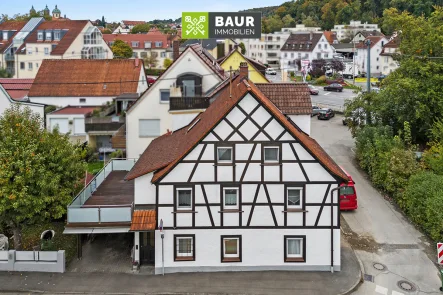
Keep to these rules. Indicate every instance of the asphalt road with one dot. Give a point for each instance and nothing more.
(378, 231)
(333, 100)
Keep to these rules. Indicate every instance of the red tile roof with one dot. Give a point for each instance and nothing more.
(10, 26)
(86, 77)
(302, 42)
(133, 22)
(143, 220)
(330, 36)
(167, 151)
(290, 98)
(74, 110)
(374, 40)
(17, 88)
(140, 38)
(73, 27)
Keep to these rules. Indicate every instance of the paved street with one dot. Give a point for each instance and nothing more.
(333, 100)
(378, 231)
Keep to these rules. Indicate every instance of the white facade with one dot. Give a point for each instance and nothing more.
(151, 107)
(121, 30)
(303, 122)
(63, 101)
(285, 195)
(6, 101)
(388, 64)
(361, 57)
(72, 123)
(345, 31)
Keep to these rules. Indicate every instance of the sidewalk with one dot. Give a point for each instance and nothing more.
(271, 282)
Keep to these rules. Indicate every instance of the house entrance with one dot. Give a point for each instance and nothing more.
(147, 247)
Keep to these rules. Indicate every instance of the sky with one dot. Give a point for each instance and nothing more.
(117, 10)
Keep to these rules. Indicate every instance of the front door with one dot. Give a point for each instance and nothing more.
(188, 88)
(147, 247)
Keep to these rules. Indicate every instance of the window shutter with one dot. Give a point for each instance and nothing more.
(149, 127)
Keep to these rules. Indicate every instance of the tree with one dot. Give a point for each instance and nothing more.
(151, 60)
(337, 65)
(4, 73)
(142, 28)
(317, 67)
(310, 22)
(288, 21)
(106, 31)
(121, 49)
(167, 62)
(242, 47)
(40, 171)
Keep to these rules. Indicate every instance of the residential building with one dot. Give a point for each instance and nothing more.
(331, 37)
(17, 89)
(390, 49)
(126, 26)
(59, 39)
(8, 30)
(233, 60)
(266, 50)
(144, 45)
(240, 188)
(362, 35)
(376, 47)
(217, 48)
(304, 46)
(122, 30)
(6, 101)
(177, 96)
(349, 31)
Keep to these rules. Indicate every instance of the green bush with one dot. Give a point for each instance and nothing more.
(423, 202)
(154, 72)
(308, 77)
(292, 74)
(320, 80)
(49, 109)
(90, 155)
(117, 154)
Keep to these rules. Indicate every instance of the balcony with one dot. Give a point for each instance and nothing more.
(107, 200)
(188, 103)
(100, 124)
(9, 57)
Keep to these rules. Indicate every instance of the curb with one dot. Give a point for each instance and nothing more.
(359, 282)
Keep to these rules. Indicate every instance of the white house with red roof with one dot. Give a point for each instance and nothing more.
(18, 89)
(389, 51)
(376, 48)
(6, 101)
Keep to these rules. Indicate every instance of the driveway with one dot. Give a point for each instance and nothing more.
(378, 231)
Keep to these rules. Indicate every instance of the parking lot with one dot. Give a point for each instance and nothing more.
(333, 100)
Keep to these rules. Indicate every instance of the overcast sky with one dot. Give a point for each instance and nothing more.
(146, 10)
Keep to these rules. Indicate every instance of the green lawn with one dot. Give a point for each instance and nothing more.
(94, 167)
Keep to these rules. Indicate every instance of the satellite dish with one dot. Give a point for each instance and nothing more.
(47, 235)
(4, 243)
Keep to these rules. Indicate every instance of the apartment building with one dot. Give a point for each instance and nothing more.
(349, 31)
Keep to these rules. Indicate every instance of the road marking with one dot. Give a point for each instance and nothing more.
(381, 290)
(396, 293)
(327, 93)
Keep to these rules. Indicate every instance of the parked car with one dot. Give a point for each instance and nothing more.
(325, 114)
(315, 110)
(150, 80)
(348, 194)
(313, 90)
(270, 71)
(334, 87)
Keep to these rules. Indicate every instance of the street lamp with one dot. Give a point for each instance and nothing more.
(368, 44)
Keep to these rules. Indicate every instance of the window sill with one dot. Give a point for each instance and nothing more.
(164, 102)
(184, 258)
(294, 210)
(231, 211)
(294, 259)
(233, 259)
(183, 211)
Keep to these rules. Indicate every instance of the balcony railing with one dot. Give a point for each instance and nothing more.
(78, 212)
(103, 123)
(188, 103)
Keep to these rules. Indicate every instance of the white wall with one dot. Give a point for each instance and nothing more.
(376, 59)
(6, 102)
(302, 121)
(144, 191)
(149, 106)
(63, 101)
(68, 118)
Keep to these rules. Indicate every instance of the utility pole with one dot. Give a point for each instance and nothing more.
(353, 63)
(368, 44)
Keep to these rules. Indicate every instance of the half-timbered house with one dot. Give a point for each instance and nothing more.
(241, 187)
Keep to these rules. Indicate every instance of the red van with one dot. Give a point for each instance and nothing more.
(348, 195)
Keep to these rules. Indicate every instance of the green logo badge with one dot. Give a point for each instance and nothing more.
(195, 25)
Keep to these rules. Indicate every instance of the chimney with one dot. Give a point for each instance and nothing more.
(136, 62)
(244, 69)
(311, 35)
(175, 49)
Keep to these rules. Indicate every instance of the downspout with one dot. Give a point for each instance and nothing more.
(332, 225)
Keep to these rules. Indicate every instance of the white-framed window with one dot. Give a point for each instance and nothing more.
(271, 154)
(46, 50)
(230, 198)
(184, 247)
(5, 35)
(295, 248)
(149, 127)
(294, 197)
(163, 54)
(158, 44)
(40, 35)
(224, 154)
(135, 44)
(184, 199)
(231, 248)
(148, 45)
(36, 65)
(48, 36)
(30, 66)
(57, 35)
(165, 95)
(29, 50)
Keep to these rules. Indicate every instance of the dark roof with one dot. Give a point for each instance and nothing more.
(302, 42)
(16, 88)
(167, 150)
(370, 33)
(290, 98)
(393, 43)
(343, 45)
(130, 96)
(73, 29)
(15, 26)
(374, 40)
(206, 43)
(86, 77)
(209, 60)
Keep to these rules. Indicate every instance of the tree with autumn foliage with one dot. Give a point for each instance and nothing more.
(39, 171)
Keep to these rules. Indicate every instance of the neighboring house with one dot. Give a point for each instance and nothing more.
(388, 63)
(177, 96)
(331, 37)
(78, 82)
(266, 50)
(348, 31)
(122, 30)
(18, 89)
(376, 47)
(132, 23)
(144, 45)
(233, 60)
(70, 119)
(362, 35)
(8, 30)
(58, 39)
(240, 188)
(217, 48)
(6, 101)
(304, 46)
(126, 26)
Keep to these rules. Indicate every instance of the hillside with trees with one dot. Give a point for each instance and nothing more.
(327, 13)
(266, 11)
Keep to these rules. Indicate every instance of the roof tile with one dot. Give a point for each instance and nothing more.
(143, 220)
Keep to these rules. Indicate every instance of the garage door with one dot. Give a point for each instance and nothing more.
(79, 126)
(63, 125)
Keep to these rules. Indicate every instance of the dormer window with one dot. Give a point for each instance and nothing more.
(135, 44)
(57, 35)
(147, 44)
(158, 44)
(5, 35)
(49, 36)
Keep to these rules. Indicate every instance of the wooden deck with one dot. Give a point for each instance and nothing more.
(113, 191)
